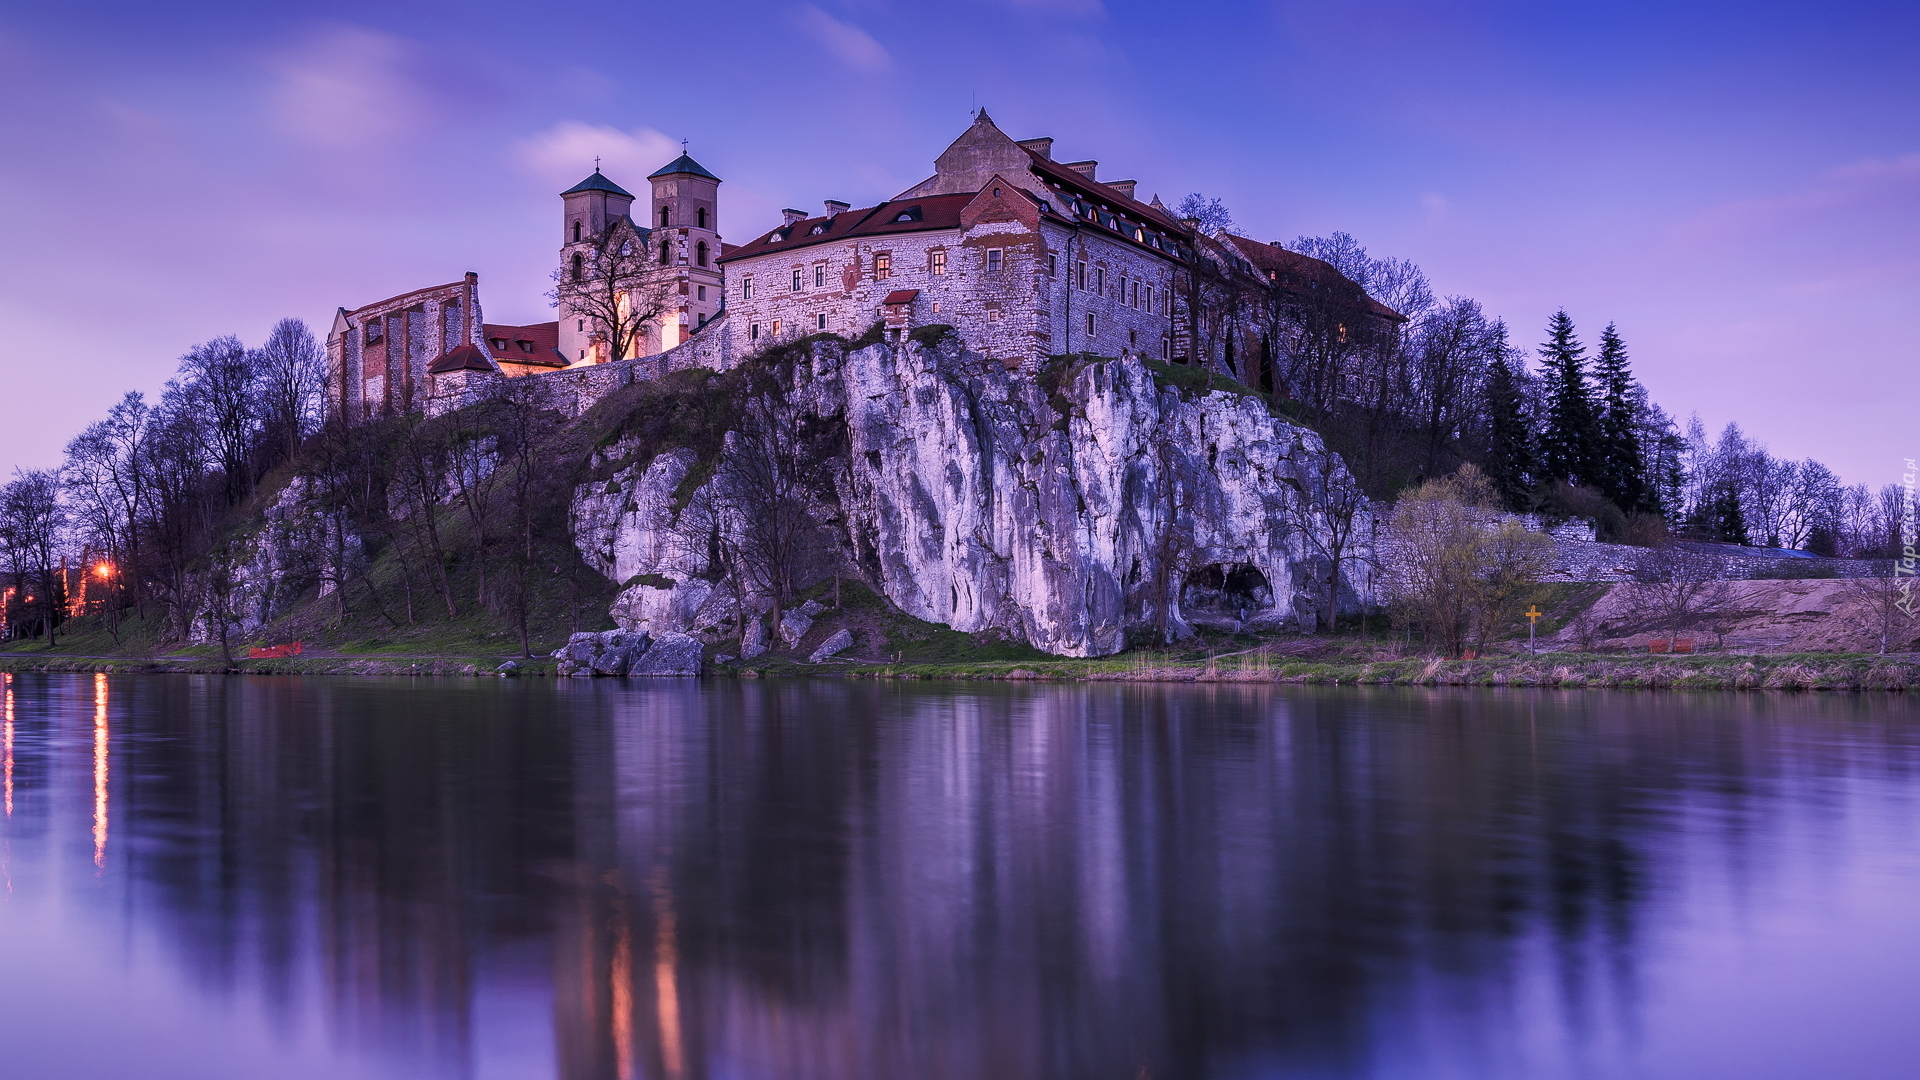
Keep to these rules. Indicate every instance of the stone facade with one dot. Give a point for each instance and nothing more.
(1026, 257)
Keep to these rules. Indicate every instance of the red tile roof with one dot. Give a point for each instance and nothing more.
(1093, 189)
(901, 296)
(1291, 270)
(536, 344)
(464, 358)
(922, 214)
(395, 301)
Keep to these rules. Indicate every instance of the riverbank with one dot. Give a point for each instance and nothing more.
(1805, 671)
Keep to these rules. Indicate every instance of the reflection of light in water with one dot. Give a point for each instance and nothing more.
(6, 693)
(666, 990)
(100, 770)
(621, 977)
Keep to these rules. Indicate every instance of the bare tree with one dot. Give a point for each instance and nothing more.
(1334, 504)
(220, 380)
(1677, 589)
(614, 284)
(292, 371)
(1885, 605)
(31, 520)
(1458, 568)
(760, 487)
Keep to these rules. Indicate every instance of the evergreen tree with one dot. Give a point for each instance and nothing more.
(1510, 457)
(1623, 469)
(1569, 447)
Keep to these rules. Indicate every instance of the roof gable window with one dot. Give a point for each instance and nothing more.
(911, 213)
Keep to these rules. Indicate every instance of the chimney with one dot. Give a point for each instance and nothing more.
(835, 208)
(1043, 147)
(1084, 168)
(1124, 187)
(789, 216)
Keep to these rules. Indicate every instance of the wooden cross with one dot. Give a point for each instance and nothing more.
(1534, 612)
(1533, 620)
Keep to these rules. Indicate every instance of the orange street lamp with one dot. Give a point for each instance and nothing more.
(104, 570)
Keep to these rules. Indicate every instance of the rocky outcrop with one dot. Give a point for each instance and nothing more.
(624, 652)
(1069, 508)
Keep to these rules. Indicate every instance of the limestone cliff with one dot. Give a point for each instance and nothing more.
(1069, 510)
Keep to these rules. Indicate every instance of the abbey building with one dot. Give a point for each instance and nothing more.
(1024, 256)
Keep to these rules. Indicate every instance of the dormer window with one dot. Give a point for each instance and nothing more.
(499, 344)
(525, 346)
(818, 230)
(911, 213)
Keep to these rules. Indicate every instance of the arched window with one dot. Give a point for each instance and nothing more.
(579, 267)
(700, 217)
(700, 253)
(666, 216)
(666, 251)
(576, 232)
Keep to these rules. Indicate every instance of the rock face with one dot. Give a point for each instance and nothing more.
(1068, 508)
(624, 652)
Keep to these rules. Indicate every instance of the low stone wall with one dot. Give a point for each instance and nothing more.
(575, 390)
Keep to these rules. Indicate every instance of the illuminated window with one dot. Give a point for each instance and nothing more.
(776, 328)
(937, 262)
(882, 265)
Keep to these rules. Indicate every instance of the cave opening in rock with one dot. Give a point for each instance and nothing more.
(1228, 588)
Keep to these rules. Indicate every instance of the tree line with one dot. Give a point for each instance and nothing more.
(1556, 430)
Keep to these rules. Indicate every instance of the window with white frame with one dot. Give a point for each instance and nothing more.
(746, 287)
(1091, 331)
(776, 328)
(702, 291)
(820, 321)
(1166, 348)
(993, 260)
(882, 265)
(937, 261)
(1080, 274)
(819, 275)
(753, 332)
(1053, 265)
(1100, 280)
(796, 279)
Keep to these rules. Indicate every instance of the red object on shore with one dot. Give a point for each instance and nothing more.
(291, 648)
(1658, 645)
(1683, 645)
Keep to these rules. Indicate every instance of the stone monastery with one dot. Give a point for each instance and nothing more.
(1024, 256)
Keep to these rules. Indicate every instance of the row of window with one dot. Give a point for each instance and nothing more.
(753, 329)
(1132, 291)
(882, 270)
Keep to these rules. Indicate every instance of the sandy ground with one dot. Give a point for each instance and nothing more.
(1763, 616)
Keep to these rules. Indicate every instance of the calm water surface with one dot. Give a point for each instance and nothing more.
(337, 878)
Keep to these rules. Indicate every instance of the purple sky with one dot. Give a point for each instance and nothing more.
(1737, 185)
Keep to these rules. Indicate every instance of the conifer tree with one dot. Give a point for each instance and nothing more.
(1622, 463)
(1510, 456)
(1570, 443)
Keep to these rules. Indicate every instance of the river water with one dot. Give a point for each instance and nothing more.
(289, 878)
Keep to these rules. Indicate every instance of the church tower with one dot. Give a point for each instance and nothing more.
(589, 208)
(685, 224)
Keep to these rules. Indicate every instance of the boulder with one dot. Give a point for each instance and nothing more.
(756, 640)
(611, 652)
(672, 654)
(795, 624)
(841, 641)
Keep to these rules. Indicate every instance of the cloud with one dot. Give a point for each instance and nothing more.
(349, 86)
(564, 153)
(853, 46)
(1874, 194)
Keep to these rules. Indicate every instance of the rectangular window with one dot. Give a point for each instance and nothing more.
(1053, 266)
(936, 307)
(993, 260)
(819, 275)
(746, 287)
(1149, 297)
(753, 332)
(882, 265)
(1100, 280)
(580, 326)
(1123, 288)
(937, 262)
(703, 293)
(820, 321)
(776, 328)
(993, 314)
(703, 319)
(1133, 339)
(1090, 329)
(796, 279)
(1166, 348)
